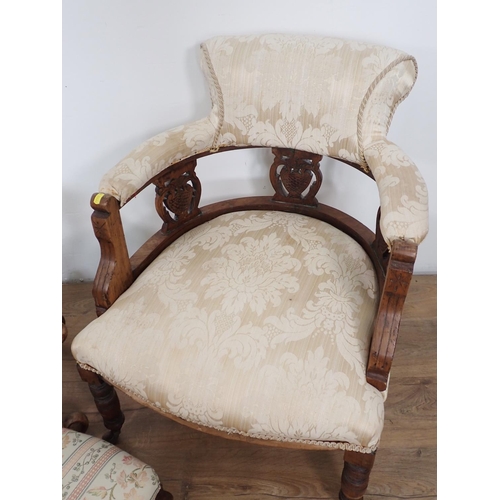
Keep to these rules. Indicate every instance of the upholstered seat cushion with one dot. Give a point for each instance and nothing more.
(93, 468)
(255, 323)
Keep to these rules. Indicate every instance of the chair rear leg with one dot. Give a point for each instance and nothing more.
(107, 403)
(355, 476)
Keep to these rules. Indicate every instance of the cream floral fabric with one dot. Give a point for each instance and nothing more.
(93, 468)
(151, 157)
(255, 323)
(319, 94)
(403, 193)
(324, 95)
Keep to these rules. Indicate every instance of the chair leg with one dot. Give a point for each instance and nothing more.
(355, 476)
(164, 495)
(76, 421)
(107, 403)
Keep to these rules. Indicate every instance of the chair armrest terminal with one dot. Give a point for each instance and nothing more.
(392, 299)
(403, 193)
(114, 274)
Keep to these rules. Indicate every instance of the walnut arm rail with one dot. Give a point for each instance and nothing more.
(117, 270)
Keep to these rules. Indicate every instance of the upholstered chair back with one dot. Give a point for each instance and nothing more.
(315, 94)
(318, 94)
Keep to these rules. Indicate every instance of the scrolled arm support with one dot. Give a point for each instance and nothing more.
(114, 274)
(386, 329)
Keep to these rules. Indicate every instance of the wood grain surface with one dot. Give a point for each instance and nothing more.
(196, 466)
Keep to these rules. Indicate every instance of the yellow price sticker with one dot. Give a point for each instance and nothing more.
(98, 198)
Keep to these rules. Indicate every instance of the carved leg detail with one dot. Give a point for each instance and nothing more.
(355, 476)
(107, 403)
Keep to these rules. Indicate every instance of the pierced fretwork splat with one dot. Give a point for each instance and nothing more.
(296, 176)
(178, 193)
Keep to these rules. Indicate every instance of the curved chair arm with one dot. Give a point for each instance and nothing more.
(403, 193)
(135, 171)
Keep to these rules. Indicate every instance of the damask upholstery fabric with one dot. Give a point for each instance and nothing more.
(402, 190)
(154, 155)
(319, 94)
(93, 468)
(256, 323)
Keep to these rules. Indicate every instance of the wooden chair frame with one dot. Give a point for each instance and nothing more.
(296, 178)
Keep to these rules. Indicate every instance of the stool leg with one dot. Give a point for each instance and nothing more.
(355, 476)
(76, 421)
(107, 403)
(164, 495)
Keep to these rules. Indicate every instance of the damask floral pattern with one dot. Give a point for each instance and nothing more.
(154, 155)
(319, 94)
(402, 190)
(257, 323)
(304, 92)
(253, 272)
(309, 379)
(95, 469)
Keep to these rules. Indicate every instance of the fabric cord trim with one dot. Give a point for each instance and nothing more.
(219, 95)
(334, 445)
(368, 94)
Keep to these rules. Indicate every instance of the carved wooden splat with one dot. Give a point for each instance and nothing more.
(296, 176)
(178, 193)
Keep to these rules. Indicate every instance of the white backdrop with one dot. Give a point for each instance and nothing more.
(131, 70)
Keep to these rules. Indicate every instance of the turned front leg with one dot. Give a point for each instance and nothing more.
(107, 403)
(355, 476)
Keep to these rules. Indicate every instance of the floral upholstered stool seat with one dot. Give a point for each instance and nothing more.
(255, 323)
(93, 468)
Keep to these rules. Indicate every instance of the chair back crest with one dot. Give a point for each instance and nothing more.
(318, 94)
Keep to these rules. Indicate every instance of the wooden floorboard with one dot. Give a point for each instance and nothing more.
(196, 466)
